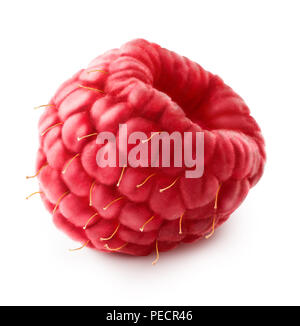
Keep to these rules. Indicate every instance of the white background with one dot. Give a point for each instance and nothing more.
(254, 258)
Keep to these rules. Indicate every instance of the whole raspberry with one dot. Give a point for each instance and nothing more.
(143, 209)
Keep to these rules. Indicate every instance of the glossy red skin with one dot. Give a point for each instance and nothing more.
(151, 89)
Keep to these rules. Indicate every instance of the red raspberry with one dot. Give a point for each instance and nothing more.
(138, 210)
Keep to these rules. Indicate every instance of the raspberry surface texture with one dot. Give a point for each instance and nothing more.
(141, 210)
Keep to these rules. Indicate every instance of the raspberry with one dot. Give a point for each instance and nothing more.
(139, 210)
